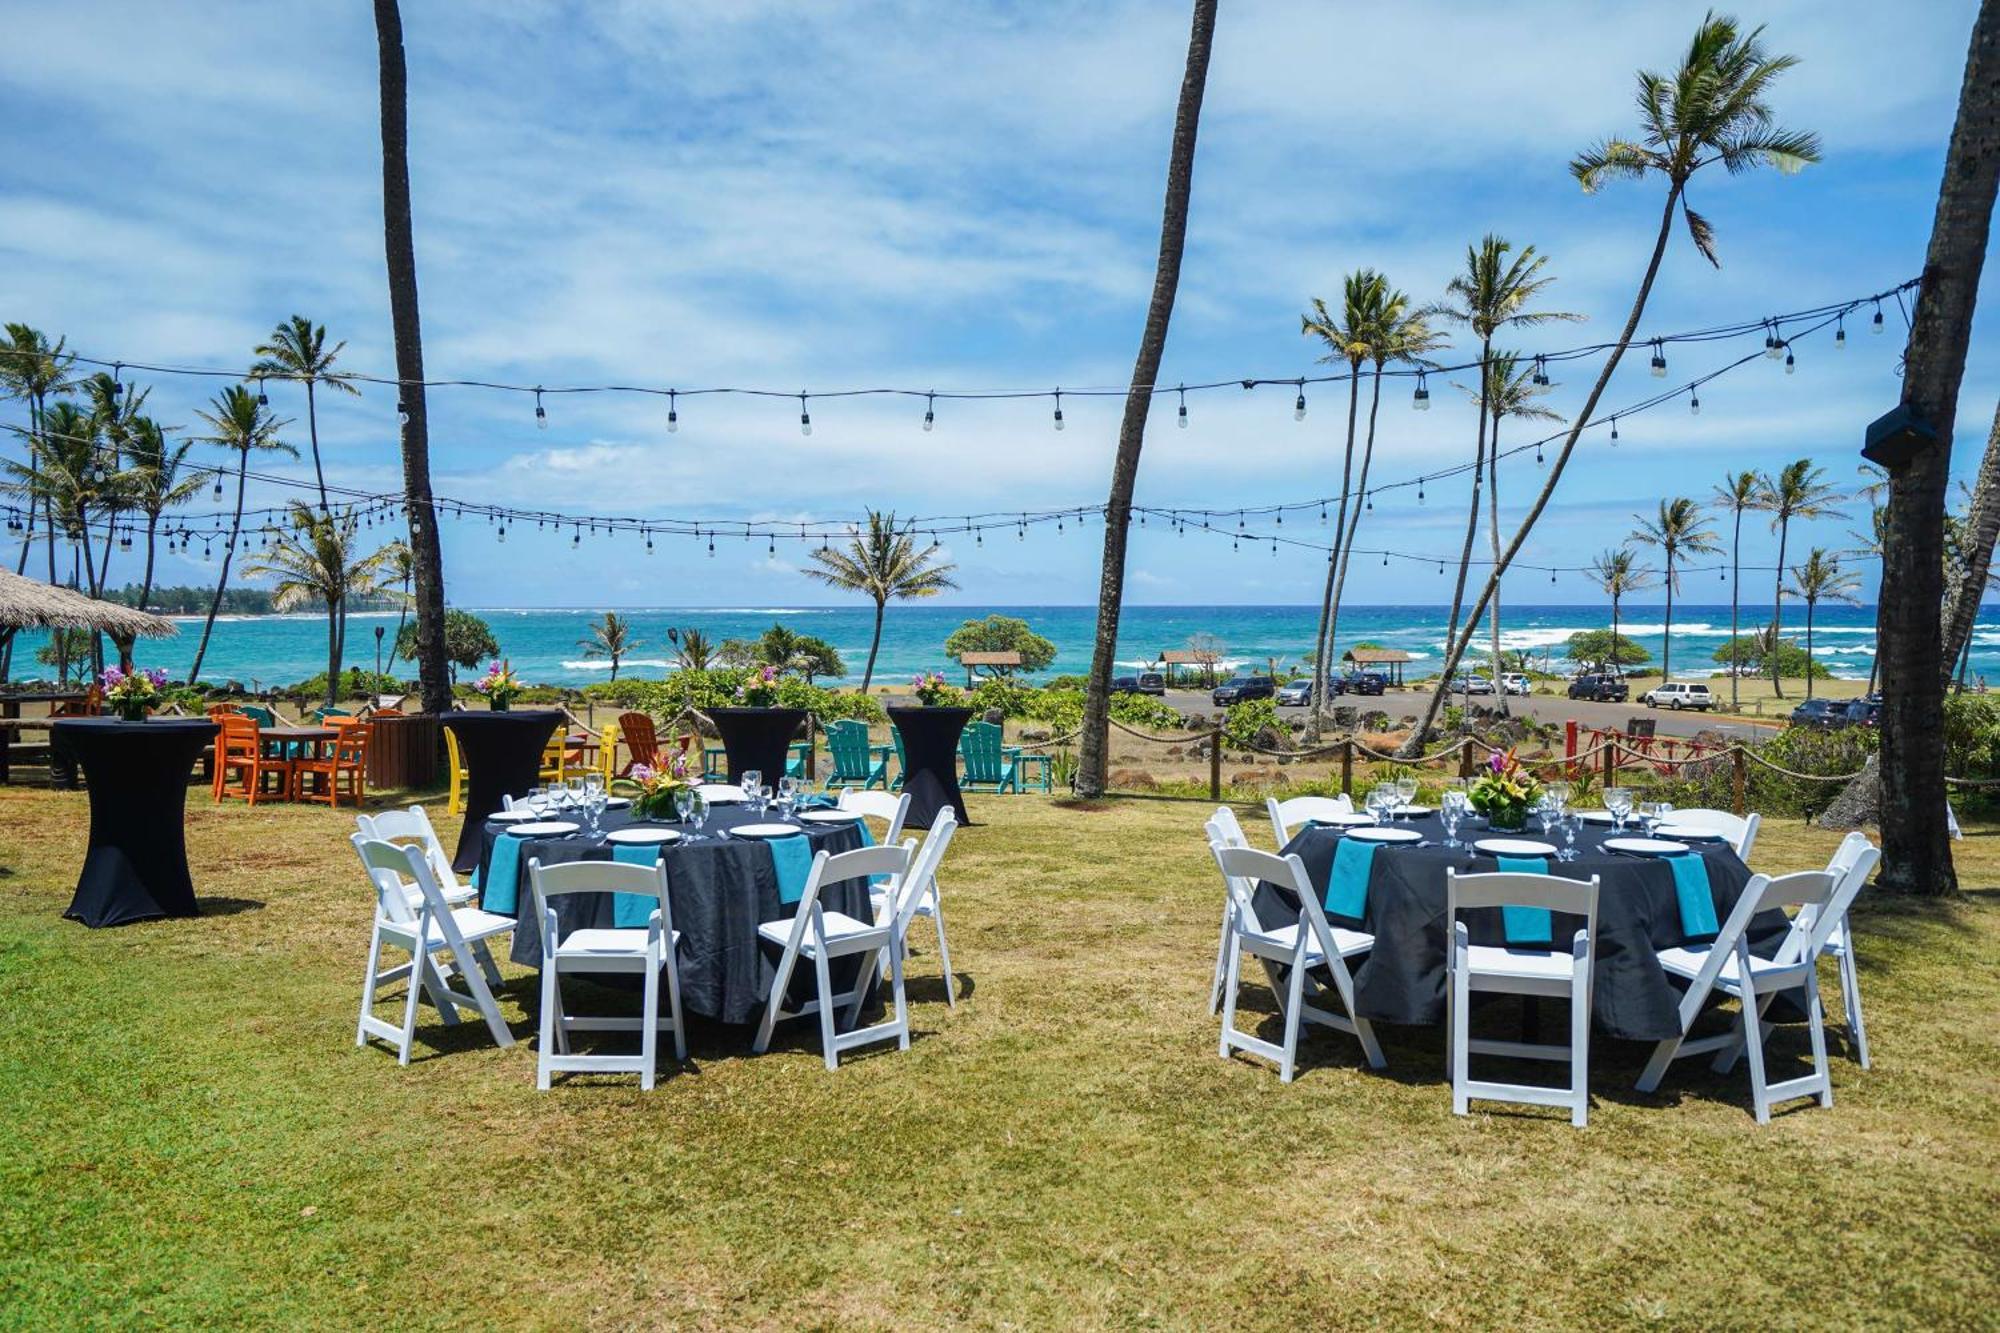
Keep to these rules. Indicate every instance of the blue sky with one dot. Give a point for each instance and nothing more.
(964, 197)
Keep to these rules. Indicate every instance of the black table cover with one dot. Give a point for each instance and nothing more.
(759, 738)
(136, 868)
(503, 757)
(930, 761)
(1402, 980)
(721, 889)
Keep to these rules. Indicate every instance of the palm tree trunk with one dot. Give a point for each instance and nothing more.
(1323, 644)
(1667, 629)
(332, 659)
(312, 428)
(152, 534)
(1735, 596)
(874, 646)
(1809, 632)
(1493, 515)
(433, 672)
(1346, 541)
(1982, 528)
(222, 580)
(1096, 748)
(1472, 515)
(1614, 637)
(1778, 607)
(1541, 502)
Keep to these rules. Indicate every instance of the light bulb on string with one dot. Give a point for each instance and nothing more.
(1552, 576)
(673, 411)
(541, 413)
(1614, 430)
(500, 533)
(1538, 453)
(649, 541)
(1791, 366)
(1059, 420)
(1182, 422)
(1541, 375)
(402, 412)
(1421, 399)
(1877, 330)
(1770, 342)
(1659, 361)
(263, 399)
(117, 378)
(1385, 559)
(1322, 511)
(1839, 333)
(1299, 407)
(772, 549)
(711, 543)
(930, 410)
(805, 417)
(1694, 402)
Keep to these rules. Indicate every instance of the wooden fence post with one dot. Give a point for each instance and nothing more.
(1569, 749)
(1347, 767)
(1215, 764)
(1465, 757)
(1736, 780)
(1610, 760)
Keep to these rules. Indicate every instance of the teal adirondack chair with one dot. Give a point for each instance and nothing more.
(987, 764)
(902, 764)
(854, 758)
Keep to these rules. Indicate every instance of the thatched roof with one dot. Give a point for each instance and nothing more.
(31, 604)
(1377, 655)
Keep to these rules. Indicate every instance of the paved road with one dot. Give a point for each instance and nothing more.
(1546, 708)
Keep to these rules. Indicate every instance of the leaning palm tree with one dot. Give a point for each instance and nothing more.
(297, 350)
(1797, 491)
(1868, 546)
(313, 561)
(610, 637)
(243, 426)
(1711, 109)
(1820, 579)
(158, 484)
(1618, 573)
(883, 565)
(1512, 389)
(1680, 529)
(1738, 492)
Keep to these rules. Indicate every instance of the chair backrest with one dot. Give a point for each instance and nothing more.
(1741, 830)
(553, 755)
(350, 740)
(217, 710)
(834, 867)
(1574, 897)
(891, 808)
(1223, 827)
(640, 738)
(453, 757)
(980, 744)
(553, 881)
(239, 733)
(1849, 851)
(393, 870)
(411, 826)
(1822, 899)
(853, 757)
(1302, 809)
(385, 712)
(1243, 867)
(924, 865)
(326, 713)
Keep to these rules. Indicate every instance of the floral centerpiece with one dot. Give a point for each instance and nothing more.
(131, 693)
(654, 789)
(1505, 792)
(934, 691)
(760, 690)
(499, 685)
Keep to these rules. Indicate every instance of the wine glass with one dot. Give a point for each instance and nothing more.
(1449, 810)
(684, 799)
(1572, 824)
(575, 792)
(788, 795)
(1618, 800)
(751, 777)
(1561, 792)
(1549, 814)
(1406, 791)
(698, 812)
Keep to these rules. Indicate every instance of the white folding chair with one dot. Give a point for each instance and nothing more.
(1565, 974)
(1741, 830)
(1308, 943)
(1303, 809)
(429, 929)
(891, 809)
(413, 826)
(822, 936)
(1728, 966)
(927, 901)
(1840, 944)
(648, 951)
(1224, 828)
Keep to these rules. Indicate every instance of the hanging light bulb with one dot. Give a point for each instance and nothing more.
(1552, 576)
(711, 543)
(117, 379)
(263, 399)
(1369, 499)
(1791, 366)
(649, 542)
(1182, 422)
(1059, 420)
(1659, 360)
(1877, 330)
(1385, 559)
(402, 413)
(1770, 342)
(501, 533)
(218, 485)
(673, 412)
(1839, 333)
(1299, 407)
(1541, 375)
(1614, 430)
(930, 410)
(805, 417)
(541, 413)
(1694, 402)
(1421, 399)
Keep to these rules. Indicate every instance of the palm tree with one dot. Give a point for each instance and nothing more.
(1711, 109)
(1680, 529)
(157, 484)
(883, 565)
(68, 475)
(1868, 546)
(1511, 392)
(610, 637)
(1095, 752)
(297, 350)
(314, 561)
(1797, 491)
(404, 569)
(1820, 579)
(433, 669)
(693, 650)
(243, 425)
(1738, 492)
(1618, 573)
(34, 369)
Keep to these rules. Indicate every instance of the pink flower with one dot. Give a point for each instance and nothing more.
(641, 773)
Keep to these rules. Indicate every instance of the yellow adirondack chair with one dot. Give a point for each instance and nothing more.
(455, 762)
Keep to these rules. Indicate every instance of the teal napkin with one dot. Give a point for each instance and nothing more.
(634, 909)
(1347, 884)
(1526, 925)
(794, 858)
(500, 888)
(1691, 890)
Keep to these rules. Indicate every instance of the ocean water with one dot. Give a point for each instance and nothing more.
(542, 644)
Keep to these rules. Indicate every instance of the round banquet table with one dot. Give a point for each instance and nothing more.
(503, 757)
(721, 889)
(759, 738)
(136, 868)
(930, 761)
(1402, 979)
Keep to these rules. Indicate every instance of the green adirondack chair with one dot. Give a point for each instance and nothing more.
(988, 767)
(855, 760)
(902, 764)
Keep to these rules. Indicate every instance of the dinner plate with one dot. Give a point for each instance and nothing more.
(1597, 817)
(831, 816)
(1645, 846)
(1343, 821)
(512, 816)
(721, 793)
(766, 831)
(1694, 832)
(643, 835)
(617, 802)
(1386, 834)
(1513, 847)
(547, 828)
(1412, 811)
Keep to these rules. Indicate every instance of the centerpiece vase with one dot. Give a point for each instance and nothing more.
(1508, 819)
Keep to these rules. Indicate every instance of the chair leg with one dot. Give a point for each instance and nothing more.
(896, 990)
(872, 964)
(1753, 1045)
(1579, 1053)
(1461, 1043)
(368, 984)
(1850, 1001)
(417, 963)
(1295, 1010)
(649, 1025)
(674, 1003)
(779, 985)
(944, 954)
(1816, 1021)
(822, 976)
(1229, 988)
(486, 963)
(1221, 960)
(489, 1008)
(551, 1025)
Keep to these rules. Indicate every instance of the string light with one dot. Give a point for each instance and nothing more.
(1770, 342)
(1878, 317)
(1421, 399)
(805, 417)
(930, 410)
(1541, 374)
(1614, 430)
(1059, 420)
(1840, 333)
(541, 413)
(1182, 422)
(673, 412)
(1694, 402)
(1791, 366)
(1299, 407)
(1659, 361)
(263, 399)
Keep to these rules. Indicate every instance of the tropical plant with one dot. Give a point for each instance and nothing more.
(806, 655)
(1001, 634)
(693, 650)
(884, 565)
(34, 369)
(1680, 529)
(468, 641)
(610, 637)
(243, 426)
(1619, 575)
(405, 570)
(313, 561)
(1602, 649)
(297, 350)
(1513, 386)
(1820, 579)
(1738, 492)
(68, 651)
(159, 482)
(1798, 490)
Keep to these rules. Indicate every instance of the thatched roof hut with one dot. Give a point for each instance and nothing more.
(32, 604)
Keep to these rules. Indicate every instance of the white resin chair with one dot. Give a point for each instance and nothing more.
(1224, 828)
(648, 951)
(929, 901)
(1308, 943)
(1561, 973)
(821, 936)
(431, 929)
(413, 826)
(1840, 943)
(1303, 809)
(1741, 830)
(891, 809)
(1727, 966)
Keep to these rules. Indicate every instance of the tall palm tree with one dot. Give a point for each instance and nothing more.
(297, 350)
(1711, 109)
(610, 637)
(34, 369)
(243, 426)
(1680, 529)
(158, 484)
(403, 571)
(1511, 392)
(1798, 490)
(1868, 546)
(1738, 492)
(883, 565)
(1820, 579)
(1619, 574)
(69, 475)
(693, 650)
(313, 560)
(1095, 752)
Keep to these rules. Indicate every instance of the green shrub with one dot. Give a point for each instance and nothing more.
(628, 693)
(354, 683)
(1145, 712)
(1005, 693)
(1066, 682)
(1806, 750)
(1241, 722)
(1062, 710)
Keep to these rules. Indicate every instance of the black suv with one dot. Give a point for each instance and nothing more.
(1362, 682)
(1125, 685)
(1865, 712)
(1152, 682)
(1603, 689)
(1243, 688)
(1823, 714)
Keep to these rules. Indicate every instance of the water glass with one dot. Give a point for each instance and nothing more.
(683, 802)
(1618, 800)
(1449, 811)
(697, 811)
(1406, 790)
(751, 777)
(574, 790)
(1572, 824)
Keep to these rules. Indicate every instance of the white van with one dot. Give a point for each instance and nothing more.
(1678, 695)
(1513, 682)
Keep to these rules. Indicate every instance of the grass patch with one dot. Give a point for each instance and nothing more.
(191, 1138)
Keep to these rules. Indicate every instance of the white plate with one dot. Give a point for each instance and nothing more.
(617, 802)
(1386, 834)
(548, 828)
(831, 816)
(1513, 847)
(767, 831)
(721, 793)
(643, 835)
(1645, 846)
(1697, 832)
(1412, 811)
(1343, 821)
(1597, 817)
(511, 816)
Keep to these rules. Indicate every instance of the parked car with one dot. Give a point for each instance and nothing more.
(1865, 712)
(1823, 714)
(1243, 689)
(1297, 693)
(1677, 695)
(1468, 684)
(1513, 682)
(1125, 685)
(1370, 683)
(1152, 682)
(1600, 688)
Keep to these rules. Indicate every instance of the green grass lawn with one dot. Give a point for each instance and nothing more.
(188, 1135)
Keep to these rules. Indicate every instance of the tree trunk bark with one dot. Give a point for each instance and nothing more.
(1667, 629)
(874, 644)
(1916, 847)
(312, 428)
(1493, 529)
(433, 672)
(1778, 610)
(1095, 751)
(222, 580)
(1323, 643)
(1735, 600)
(1809, 661)
(1982, 528)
